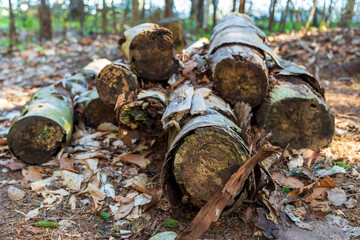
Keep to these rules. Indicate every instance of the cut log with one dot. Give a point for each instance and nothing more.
(115, 79)
(240, 74)
(46, 122)
(237, 60)
(204, 154)
(150, 51)
(94, 110)
(296, 115)
(45, 126)
(142, 112)
(176, 26)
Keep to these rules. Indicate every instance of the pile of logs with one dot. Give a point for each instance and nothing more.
(188, 98)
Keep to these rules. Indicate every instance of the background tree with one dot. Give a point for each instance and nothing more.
(114, 22)
(312, 12)
(206, 15)
(194, 8)
(328, 19)
(242, 6)
(284, 17)
(168, 8)
(214, 12)
(234, 6)
(348, 13)
(271, 14)
(135, 12)
(104, 18)
(45, 21)
(12, 30)
(200, 14)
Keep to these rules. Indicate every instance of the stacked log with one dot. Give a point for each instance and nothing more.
(46, 122)
(150, 50)
(238, 61)
(205, 152)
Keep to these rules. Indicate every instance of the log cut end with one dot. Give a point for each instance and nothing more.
(296, 115)
(205, 161)
(114, 80)
(240, 74)
(97, 112)
(152, 54)
(36, 139)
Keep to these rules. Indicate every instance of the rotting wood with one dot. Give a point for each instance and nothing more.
(93, 109)
(295, 114)
(150, 51)
(115, 79)
(239, 69)
(46, 122)
(142, 112)
(205, 153)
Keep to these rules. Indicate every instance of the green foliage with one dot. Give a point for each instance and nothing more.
(324, 76)
(171, 223)
(286, 190)
(104, 215)
(46, 224)
(341, 164)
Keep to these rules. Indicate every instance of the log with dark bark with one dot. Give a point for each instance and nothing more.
(46, 122)
(115, 79)
(141, 112)
(94, 110)
(176, 26)
(295, 114)
(205, 153)
(237, 60)
(150, 51)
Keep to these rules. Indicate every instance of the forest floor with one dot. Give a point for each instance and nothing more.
(93, 175)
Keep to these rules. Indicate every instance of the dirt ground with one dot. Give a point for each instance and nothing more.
(26, 71)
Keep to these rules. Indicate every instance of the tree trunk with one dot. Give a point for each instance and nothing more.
(45, 21)
(283, 20)
(198, 163)
(93, 110)
(176, 26)
(307, 25)
(347, 15)
(149, 49)
(206, 15)
(194, 9)
(135, 12)
(214, 12)
(141, 112)
(298, 19)
(271, 15)
(142, 15)
(12, 30)
(296, 115)
(104, 18)
(97, 18)
(126, 11)
(234, 6)
(328, 17)
(242, 6)
(115, 79)
(115, 30)
(323, 14)
(200, 14)
(168, 8)
(239, 70)
(46, 122)
(315, 20)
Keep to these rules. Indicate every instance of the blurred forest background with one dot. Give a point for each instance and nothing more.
(30, 21)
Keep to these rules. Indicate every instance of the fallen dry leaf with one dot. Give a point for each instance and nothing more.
(189, 66)
(72, 202)
(136, 159)
(286, 181)
(327, 182)
(67, 164)
(336, 196)
(32, 174)
(123, 210)
(15, 194)
(14, 164)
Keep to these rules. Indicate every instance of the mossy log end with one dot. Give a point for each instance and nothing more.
(45, 126)
(176, 26)
(94, 110)
(150, 51)
(240, 74)
(202, 157)
(142, 112)
(295, 114)
(113, 80)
